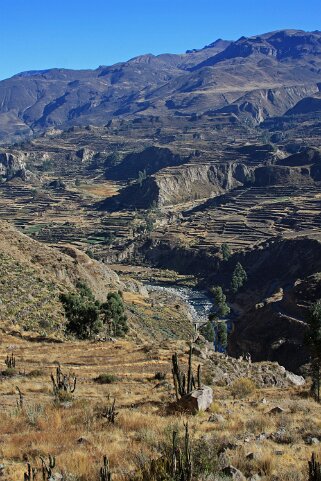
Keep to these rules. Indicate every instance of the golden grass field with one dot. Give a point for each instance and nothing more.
(78, 438)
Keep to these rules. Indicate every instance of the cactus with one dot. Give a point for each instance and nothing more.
(105, 474)
(20, 400)
(47, 467)
(31, 474)
(110, 413)
(63, 382)
(199, 376)
(176, 464)
(182, 385)
(10, 361)
(314, 469)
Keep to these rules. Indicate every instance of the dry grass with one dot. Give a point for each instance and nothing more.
(79, 438)
(100, 191)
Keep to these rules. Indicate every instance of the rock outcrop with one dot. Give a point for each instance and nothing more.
(196, 401)
(182, 184)
(148, 161)
(12, 165)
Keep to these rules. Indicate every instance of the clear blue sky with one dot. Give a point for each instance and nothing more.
(40, 34)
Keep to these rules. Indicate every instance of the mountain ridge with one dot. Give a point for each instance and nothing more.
(165, 85)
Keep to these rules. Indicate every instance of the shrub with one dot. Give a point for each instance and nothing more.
(36, 373)
(106, 378)
(207, 330)
(9, 372)
(226, 251)
(114, 317)
(242, 387)
(239, 278)
(222, 334)
(82, 312)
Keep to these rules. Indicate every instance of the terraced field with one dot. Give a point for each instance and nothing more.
(246, 217)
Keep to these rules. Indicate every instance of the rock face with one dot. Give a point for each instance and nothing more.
(149, 161)
(196, 401)
(181, 184)
(12, 166)
(225, 370)
(272, 322)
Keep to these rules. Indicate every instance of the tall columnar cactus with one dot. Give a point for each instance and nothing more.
(181, 465)
(110, 413)
(63, 382)
(176, 464)
(105, 473)
(182, 384)
(314, 469)
(10, 361)
(31, 474)
(47, 467)
(20, 400)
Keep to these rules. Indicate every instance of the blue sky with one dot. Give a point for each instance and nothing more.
(40, 34)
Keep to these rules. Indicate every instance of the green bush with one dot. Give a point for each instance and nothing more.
(226, 251)
(114, 317)
(82, 312)
(106, 378)
(207, 330)
(36, 373)
(239, 278)
(9, 372)
(86, 316)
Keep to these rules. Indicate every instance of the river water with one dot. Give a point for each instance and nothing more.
(198, 302)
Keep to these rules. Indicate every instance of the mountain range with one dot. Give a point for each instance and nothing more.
(249, 79)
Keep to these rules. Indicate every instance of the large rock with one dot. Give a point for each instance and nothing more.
(233, 473)
(198, 400)
(12, 166)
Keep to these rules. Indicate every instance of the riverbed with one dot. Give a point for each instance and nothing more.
(198, 302)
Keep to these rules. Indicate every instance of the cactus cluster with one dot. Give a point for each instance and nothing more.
(63, 383)
(185, 384)
(10, 361)
(31, 474)
(105, 474)
(176, 464)
(314, 469)
(46, 470)
(110, 412)
(182, 466)
(47, 467)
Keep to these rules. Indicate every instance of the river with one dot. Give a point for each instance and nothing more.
(199, 302)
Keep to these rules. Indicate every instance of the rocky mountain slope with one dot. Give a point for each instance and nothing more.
(33, 275)
(251, 78)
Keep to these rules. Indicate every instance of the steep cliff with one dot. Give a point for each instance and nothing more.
(182, 184)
